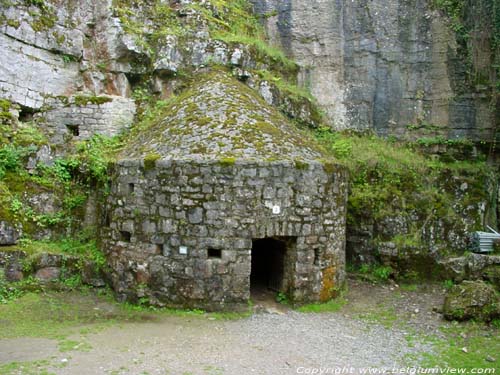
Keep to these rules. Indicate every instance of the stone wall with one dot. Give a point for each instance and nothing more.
(154, 211)
(53, 52)
(383, 65)
(70, 121)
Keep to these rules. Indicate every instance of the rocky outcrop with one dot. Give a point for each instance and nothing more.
(394, 67)
(472, 300)
(46, 267)
(52, 56)
(472, 267)
(420, 242)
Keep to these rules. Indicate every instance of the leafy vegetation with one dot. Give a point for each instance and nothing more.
(390, 179)
(68, 179)
(11, 158)
(374, 273)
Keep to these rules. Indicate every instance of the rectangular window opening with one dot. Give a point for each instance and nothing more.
(214, 253)
(74, 130)
(125, 236)
(317, 257)
(107, 219)
(159, 248)
(131, 188)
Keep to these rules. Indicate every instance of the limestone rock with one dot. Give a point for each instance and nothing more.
(13, 262)
(44, 155)
(48, 274)
(169, 57)
(8, 234)
(28, 74)
(472, 300)
(91, 275)
(46, 260)
(492, 275)
(382, 64)
(472, 266)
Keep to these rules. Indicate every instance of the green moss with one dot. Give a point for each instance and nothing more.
(199, 149)
(227, 161)
(6, 117)
(150, 161)
(29, 134)
(269, 128)
(84, 100)
(331, 306)
(204, 121)
(301, 165)
(44, 18)
(60, 38)
(13, 23)
(329, 167)
(5, 105)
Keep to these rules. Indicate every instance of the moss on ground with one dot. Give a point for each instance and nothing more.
(331, 306)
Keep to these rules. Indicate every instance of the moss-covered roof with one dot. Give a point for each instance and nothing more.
(221, 117)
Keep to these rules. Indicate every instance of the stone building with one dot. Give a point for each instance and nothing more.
(220, 196)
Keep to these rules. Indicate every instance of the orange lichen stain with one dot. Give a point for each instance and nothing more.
(328, 290)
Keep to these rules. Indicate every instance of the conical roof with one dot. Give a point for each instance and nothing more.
(221, 117)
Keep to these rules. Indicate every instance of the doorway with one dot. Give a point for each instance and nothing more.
(270, 257)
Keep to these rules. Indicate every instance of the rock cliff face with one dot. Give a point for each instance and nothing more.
(391, 66)
(51, 65)
(395, 67)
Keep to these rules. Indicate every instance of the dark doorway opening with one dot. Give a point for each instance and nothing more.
(268, 271)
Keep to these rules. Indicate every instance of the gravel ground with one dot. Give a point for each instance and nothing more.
(280, 342)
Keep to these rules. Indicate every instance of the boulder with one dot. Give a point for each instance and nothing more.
(8, 234)
(48, 274)
(46, 260)
(12, 263)
(472, 300)
(469, 267)
(492, 275)
(91, 275)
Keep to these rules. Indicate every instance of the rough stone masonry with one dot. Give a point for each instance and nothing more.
(194, 226)
(165, 222)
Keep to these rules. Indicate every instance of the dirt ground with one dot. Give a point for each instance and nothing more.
(380, 326)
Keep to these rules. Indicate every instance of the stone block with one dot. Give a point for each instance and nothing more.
(8, 234)
(48, 274)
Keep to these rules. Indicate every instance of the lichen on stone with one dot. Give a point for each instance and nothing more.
(229, 120)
